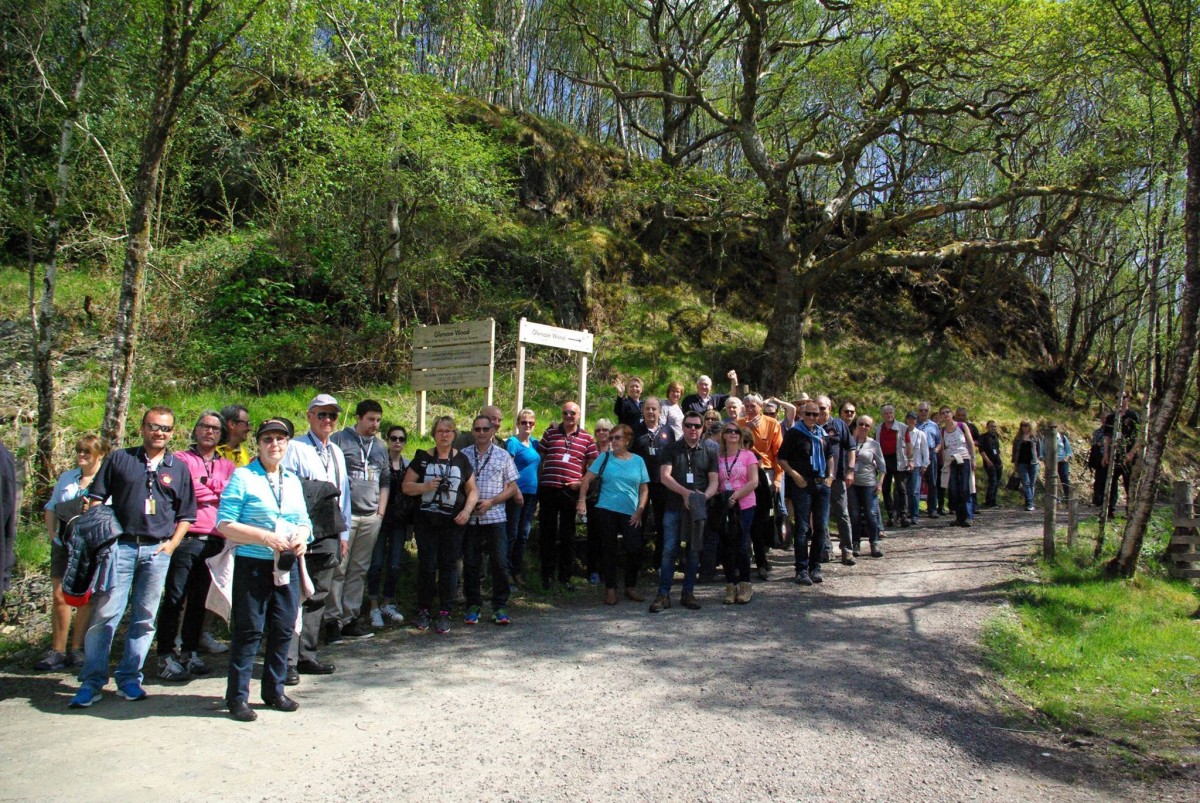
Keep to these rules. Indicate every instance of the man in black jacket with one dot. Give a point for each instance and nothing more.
(809, 458)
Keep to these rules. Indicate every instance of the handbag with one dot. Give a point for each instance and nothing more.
(593, 494)
(1014, 482)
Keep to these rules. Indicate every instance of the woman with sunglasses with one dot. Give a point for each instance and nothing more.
(737, 473)
(520, 509)
(262, 511)
(869, 470)
(624, 490)
(388, 555)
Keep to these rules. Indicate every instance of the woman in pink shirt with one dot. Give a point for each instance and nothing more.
(737, 474)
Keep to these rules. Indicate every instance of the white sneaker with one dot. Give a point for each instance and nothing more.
(211, 646)
(391, 613)
(195, 665)
(172, 669)
(376, 618)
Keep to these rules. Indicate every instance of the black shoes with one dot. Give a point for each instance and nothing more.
(241, 711)
(292, 678)
(876, 552)
(690, 602)
(353, 631)
(311, 666)
(333, 632)
(816, 576)
(803, 578)
(283, 703)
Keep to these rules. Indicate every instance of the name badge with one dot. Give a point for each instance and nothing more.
(151, 506)
(653, 451)
(690, 479)
(728, 485)
(566, 458)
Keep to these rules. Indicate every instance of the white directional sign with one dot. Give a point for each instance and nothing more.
(542, 335)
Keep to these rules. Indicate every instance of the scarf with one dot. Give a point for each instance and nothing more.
(818, 446)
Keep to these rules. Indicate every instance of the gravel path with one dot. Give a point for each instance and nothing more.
(869, 687)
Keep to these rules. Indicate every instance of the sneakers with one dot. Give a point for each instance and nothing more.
(53, 661)
(376, 618)
(353, 631)
(210, 645)
(75, 659)
(392, 614)
(690, 602)
(422, 620)
(500, 617)
(131, 691)
(85, 697)
(195, 664)
(333, 632)
(661, 603)
(803, 578)
(171, 669)
(876, 552)
(730, 593)
(472, 617)
(443, 622)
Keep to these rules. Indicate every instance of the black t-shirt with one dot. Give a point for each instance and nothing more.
(1129, 431)
(650, 448)
(694, 404)
(697, 462)
(990, 445)
(451, 494)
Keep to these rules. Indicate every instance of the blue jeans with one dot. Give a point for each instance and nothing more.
(914, 493)
(260, 608)
(994, 478)
(1029, 473)
(673, 520)
(138, 576)
(517, 527)
(960, 490)
(811, 500)
(864, 514)
(386, 561)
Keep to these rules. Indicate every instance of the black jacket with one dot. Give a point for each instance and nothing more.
(88, 538)
(321, 498)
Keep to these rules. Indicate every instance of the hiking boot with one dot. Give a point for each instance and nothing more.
(816, 576)
(422, 620)
(376, 618)
(661, 603)
(472, 617)
(631, 593)
(443, 622)
(171, 669)
(745, 593)
(848, 558)
(690, 602)
(53, 661)
(730, 593)
(195, 664)
(392, 614)
(803, 578)
(353, 631)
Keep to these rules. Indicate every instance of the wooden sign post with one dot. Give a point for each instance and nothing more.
(452, 356)
(539, 334)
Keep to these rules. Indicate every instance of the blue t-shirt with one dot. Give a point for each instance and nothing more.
(527, 459)
(249, 499)
(621, 483)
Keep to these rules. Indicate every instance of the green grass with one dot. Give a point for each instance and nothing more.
(32, 549)
(1118, 658)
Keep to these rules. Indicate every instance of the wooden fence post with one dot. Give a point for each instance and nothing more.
(1183, 551)
(1050, 446)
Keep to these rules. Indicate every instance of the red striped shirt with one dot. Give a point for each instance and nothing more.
(577, 448)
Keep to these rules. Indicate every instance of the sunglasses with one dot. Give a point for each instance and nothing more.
(165, 429)
(849, 411)
(398, 439)
(692, 425)
(808, 414)
(327, 416)
(482, 429)
(524, 423)
(731, 432)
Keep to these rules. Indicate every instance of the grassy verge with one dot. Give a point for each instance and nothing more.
(1115, 658)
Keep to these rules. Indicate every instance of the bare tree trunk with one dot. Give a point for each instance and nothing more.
(43, 322)
(1125, 563)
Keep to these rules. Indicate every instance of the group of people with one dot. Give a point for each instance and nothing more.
(299, 541)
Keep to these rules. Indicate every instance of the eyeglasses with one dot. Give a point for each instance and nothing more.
(398, 439)
(450, 432)
(692, 425)
(269, 439)
(810, 414)
(209, 427)
(327, 416)
(616, 438)
(731, 432)
(482, 429)
(165, 429)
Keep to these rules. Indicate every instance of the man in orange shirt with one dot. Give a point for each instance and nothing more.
(768, 437)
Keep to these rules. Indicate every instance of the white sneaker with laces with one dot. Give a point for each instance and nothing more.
(172, 669)
(211, 646)
(391, 613)
(195, 665)
(376, 618)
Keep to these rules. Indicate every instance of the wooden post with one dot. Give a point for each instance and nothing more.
(1072, 514)
(421, 413)
(1184, 548)
(583, 361)
(1050, 441)
(520, 378)
(491, 386)
(24, 447)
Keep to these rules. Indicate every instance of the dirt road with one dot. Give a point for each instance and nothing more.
(868, 687)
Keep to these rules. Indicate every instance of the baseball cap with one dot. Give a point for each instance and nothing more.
(324, 400)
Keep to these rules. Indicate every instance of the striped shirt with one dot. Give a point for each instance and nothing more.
(564, 457)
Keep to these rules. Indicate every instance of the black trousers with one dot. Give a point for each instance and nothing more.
(611, 526)
(320, 560)
(186, 590)
(477, 539)
(439, 548)
(657, 503)
(762, 534)
(556, 537)
(260, 609)
(889, 489)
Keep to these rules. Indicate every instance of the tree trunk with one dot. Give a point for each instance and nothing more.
(43, 323)
(1125, 563)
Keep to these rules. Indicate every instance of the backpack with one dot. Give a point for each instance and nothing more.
(88, 538)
